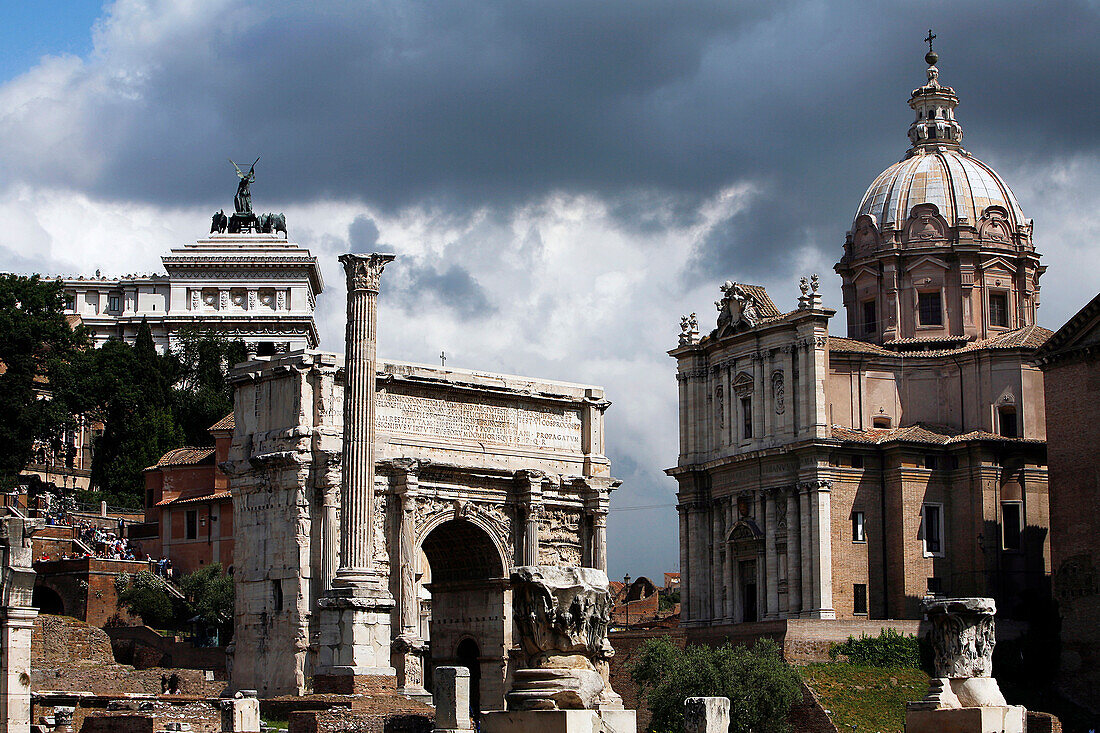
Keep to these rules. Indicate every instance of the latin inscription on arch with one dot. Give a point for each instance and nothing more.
(547, 427)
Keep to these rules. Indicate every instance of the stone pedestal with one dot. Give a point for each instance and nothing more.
(559, 721)
(240, 715)
(452, 700)
(354, 638)
(408, 653)
(707, 715)
(16, 623)
(963, 697)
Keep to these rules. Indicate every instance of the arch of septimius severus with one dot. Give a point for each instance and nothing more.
(474, 473)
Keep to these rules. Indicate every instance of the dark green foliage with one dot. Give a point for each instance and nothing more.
(761, 686)
(127, 387)
(146, 595)
(36, 343)
(202, 394)
(887, 650)
(668, 601)
(209, 595)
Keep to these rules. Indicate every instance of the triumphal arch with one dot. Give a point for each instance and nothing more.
(474, 473)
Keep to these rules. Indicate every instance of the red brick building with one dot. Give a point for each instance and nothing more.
(1070, 360)
(187, 499)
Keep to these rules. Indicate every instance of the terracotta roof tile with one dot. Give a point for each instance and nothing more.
(184, 457)
(918, 433)
(196, 498)
(1028, 337)
(226, 423)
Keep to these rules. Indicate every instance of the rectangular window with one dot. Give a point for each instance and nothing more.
(932, 529)
(857, 461)
(191, 524)
(859, 599)
(1012, 525)
(870, 317)
(931, 462)
(930, 309)
(746, 417)
(998, 309)
(70, 302)
(1008, 422)
(857, 527)
(112, 303)
(148, 498)
(935, 586)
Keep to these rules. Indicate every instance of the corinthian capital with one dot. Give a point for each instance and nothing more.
(364, 271)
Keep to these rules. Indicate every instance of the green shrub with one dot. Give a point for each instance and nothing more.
(760, 685)
(146, 595)
(888, 649)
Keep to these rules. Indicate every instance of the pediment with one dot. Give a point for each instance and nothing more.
(998, 263)
(925, 224)
(865, 273)
(743, 382)
(745, 530)
(865, 236)
(927, 260)
(994, 225)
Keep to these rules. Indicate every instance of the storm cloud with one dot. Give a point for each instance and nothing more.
(560, 180)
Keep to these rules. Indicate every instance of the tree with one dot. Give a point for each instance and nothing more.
(760, 685)
(37, 346)
(200, 367)
(146, 596)
(209, 594)
(127, 388)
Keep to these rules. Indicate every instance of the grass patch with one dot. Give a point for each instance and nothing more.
(865, 698)
(274, 723)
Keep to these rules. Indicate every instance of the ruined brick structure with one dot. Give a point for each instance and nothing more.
(475, 473)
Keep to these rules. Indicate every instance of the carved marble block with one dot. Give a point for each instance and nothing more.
(963, 695)
(707, 715)
(562, 614)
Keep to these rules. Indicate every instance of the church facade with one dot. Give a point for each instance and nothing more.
(828, 477)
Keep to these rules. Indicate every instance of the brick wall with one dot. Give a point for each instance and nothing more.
(1073, 433)
(382, 711)
(118, 724)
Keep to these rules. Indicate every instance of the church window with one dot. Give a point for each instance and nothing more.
(857, 461)
(998, 309)
(858, 532)
(870, 317)
(880, 422)
(112, 303)
(930, 308)
(265, 348)
(1011, 524)
(859, 599)
(191, 524)
(1007, 416)
(932, 529)
(746, 417)
(935, 586)
(931, 133)
(931, 462)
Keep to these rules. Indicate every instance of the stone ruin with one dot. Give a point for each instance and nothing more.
(964, 695)
(562, 615)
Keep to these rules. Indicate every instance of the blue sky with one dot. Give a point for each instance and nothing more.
(31, 30)
(561, 181)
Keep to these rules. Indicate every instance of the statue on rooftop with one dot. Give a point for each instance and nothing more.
(243, 200)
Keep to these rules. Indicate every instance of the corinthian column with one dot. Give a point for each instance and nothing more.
(354, 615)
(357, 487)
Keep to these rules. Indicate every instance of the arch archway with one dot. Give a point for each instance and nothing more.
(47, 601)
(471, 619)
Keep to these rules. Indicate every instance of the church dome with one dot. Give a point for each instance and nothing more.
(937, 171)
(958, 184)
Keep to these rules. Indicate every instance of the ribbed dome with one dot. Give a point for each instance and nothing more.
(960, 185)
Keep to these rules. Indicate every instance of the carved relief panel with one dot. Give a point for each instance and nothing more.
(560, 537)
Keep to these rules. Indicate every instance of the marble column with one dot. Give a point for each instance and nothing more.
(330, 505)
(727, 571)
(822, 539)
(807, 550)
(530, 481)
(685, 566)
(794, 555)
(16, 624)
(354, 615)
(771, 559)
(408, 650)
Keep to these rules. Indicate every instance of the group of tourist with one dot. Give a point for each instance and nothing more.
(106, 544)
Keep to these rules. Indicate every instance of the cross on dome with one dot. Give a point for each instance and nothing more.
(935, 126)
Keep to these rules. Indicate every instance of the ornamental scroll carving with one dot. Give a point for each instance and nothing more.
(778, 392)
(495, 515)
(364, 272)
(381, 548)
(963, 636)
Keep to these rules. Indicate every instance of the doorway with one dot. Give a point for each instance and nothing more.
(469, 656)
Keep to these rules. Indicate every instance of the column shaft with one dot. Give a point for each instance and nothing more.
(794, 556)
(771, 560)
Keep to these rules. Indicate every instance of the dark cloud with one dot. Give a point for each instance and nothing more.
(653, 106)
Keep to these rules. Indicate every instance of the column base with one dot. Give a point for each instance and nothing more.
(353, 634)
(559, 721)
(991, 719)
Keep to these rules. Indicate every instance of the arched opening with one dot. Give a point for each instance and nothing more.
(470, 622)
(47, 601)
(469, 656)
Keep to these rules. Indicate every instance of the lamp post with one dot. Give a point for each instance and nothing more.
(626, 597)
